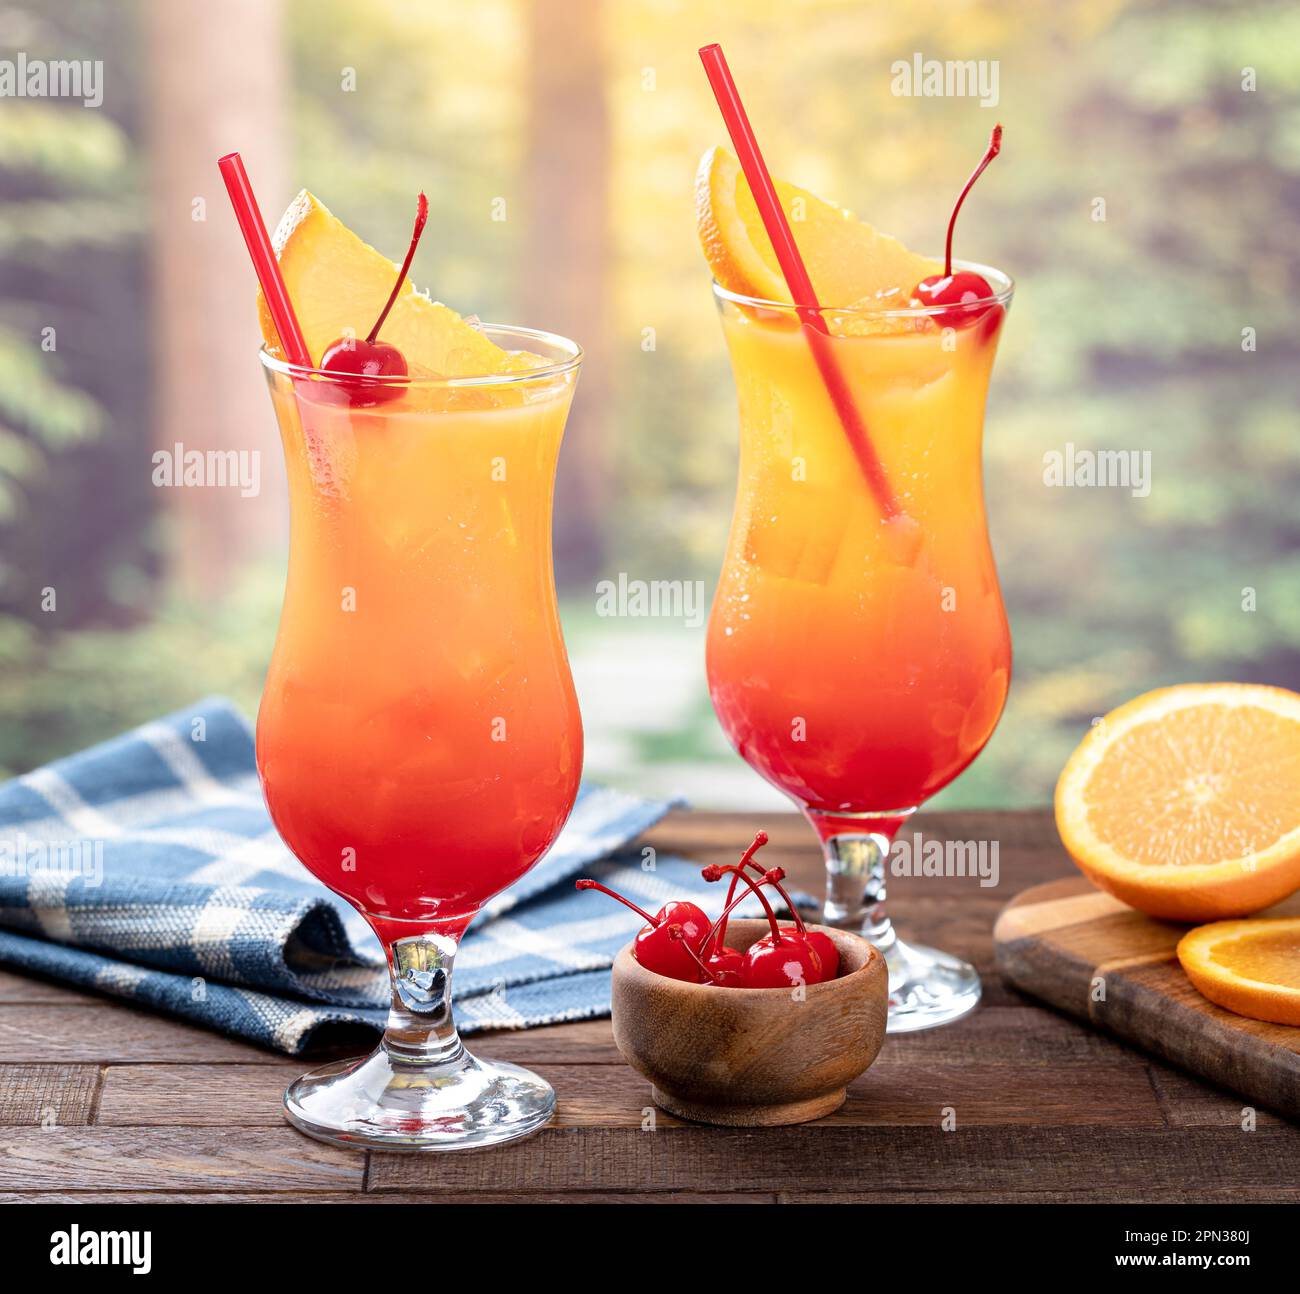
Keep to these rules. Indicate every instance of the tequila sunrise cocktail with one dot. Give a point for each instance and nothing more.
(860, 663)
(419, 741)
(858, 650)
(856, 662)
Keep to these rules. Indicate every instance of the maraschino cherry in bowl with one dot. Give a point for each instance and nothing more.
(747, 1023)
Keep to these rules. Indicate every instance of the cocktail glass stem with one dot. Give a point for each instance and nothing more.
(856, 886)
(926, 987)
(421, 1029)
(420, 1088)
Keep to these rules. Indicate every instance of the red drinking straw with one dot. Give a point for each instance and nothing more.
(264, 261)
(796, 275)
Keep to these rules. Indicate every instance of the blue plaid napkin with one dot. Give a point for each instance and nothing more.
(147, 867)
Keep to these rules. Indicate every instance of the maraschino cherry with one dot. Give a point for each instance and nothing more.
(781, 959)
(827, 953)
(364, 360)
(958, 290)
(655, 946)
(723, 968)
(679, 943)
(726, 967)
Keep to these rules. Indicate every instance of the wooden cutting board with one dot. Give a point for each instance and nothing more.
(1092, 956)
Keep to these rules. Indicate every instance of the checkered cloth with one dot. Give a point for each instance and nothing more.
(147, 867)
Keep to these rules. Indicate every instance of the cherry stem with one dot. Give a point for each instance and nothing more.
(994, 148)
(746, 860)
(627, 903)
(769, 878)
(675, 932)
(715, 872)
(760, 839)
(421, 215)
(789, 902)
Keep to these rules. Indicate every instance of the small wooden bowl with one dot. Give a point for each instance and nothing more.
(752, 1057)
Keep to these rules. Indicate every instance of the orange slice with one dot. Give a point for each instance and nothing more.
(1250, 967)
(848, 261)
(338, 285)
(1185, 803)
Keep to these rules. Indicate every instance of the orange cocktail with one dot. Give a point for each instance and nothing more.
(858, 650)
(419, 739)
(858, 663)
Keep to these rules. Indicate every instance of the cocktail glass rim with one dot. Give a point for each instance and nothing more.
(567, 355)
(1002, 283)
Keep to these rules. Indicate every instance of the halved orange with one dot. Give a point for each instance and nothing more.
(1185, 803)
(848, 261)
(1250, 967)
(338, 284)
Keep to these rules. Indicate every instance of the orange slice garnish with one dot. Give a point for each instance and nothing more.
(848, 261)
(338, 285)
(1250, 967)
(1185, 803)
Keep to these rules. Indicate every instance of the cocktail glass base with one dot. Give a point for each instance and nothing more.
(384, 1103)
(927, 987)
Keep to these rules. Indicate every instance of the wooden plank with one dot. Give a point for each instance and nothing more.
(971, 1091)
(110, 1032)
(47, 1095)
(250, 1095)
(827, 1157)
(1149, 1195)
(1060, 941)
(1029, 849)
(1019, 1034)
(427, 1198)
(981, 1094)
(107, 1031)
(1188, 1102)
(1152, 1194)
(15, 988)
(1022, 1036)
(195, 1096)
(174, 1159)
(684, 830)
(588, 1042)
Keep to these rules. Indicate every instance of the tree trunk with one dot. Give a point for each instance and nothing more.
(566, 250)
(216, 82)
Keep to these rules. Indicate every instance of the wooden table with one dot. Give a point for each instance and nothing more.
(103, 1101)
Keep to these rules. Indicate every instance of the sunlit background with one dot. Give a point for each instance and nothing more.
(558, 142)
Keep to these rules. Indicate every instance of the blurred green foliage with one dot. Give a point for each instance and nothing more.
(74, 384)
(1126, 332)
(61, 691)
